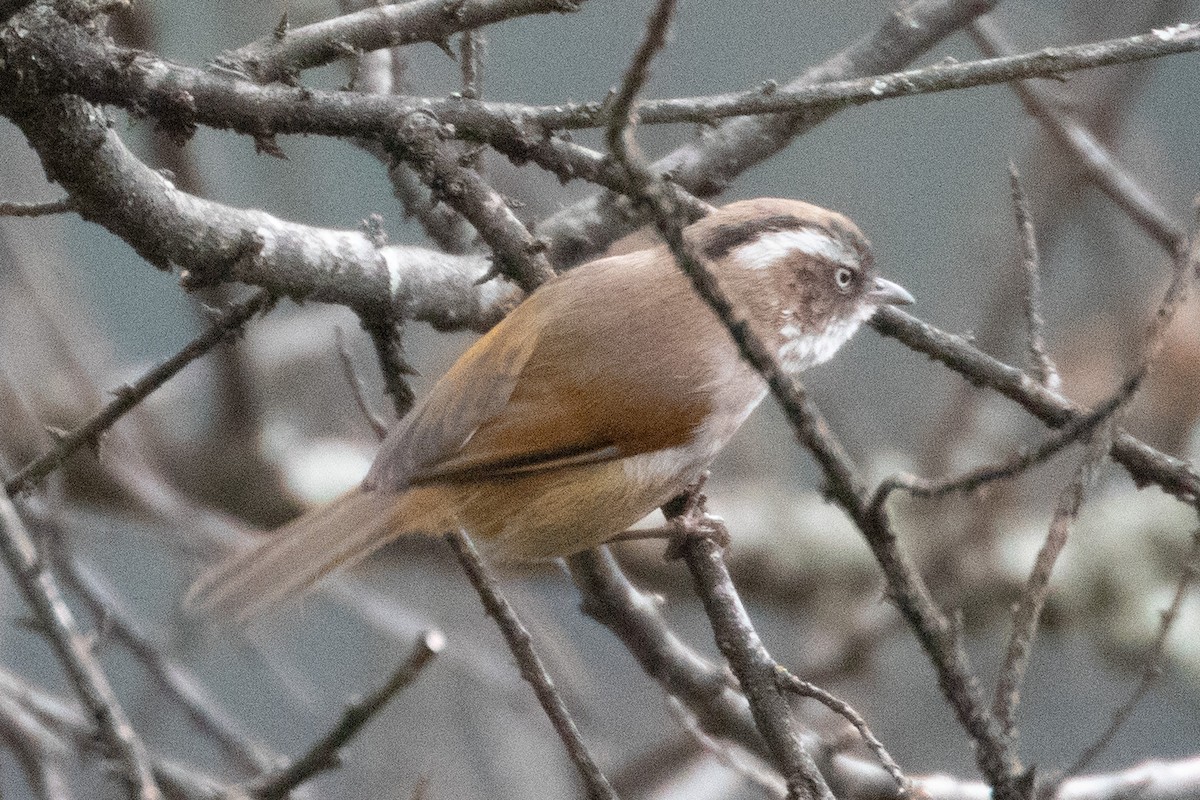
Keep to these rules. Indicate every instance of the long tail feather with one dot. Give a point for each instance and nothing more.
(293, 558)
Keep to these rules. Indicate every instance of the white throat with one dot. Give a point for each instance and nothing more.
(801, 350)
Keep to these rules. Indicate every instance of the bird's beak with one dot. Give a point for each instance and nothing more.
(886, 293)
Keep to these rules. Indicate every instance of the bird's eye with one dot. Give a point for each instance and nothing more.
(844, 276)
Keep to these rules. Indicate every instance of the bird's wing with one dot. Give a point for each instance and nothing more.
(545, 390)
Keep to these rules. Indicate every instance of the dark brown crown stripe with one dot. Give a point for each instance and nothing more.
(725, 238)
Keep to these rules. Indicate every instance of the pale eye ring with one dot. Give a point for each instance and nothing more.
(843, 277)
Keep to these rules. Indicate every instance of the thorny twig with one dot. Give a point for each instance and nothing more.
(274, 58)
(128, 397)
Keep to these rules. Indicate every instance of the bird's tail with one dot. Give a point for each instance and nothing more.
(293, 558)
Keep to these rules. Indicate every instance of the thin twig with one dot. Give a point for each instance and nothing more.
(74, 651)
(359, 392)
(127, 397)
(1028, 610)
(1078, 429)
(37, 749)
(35, 209)
(1152, 669)
(470, 59)
(116, 620)
(790, 683)
(532, 670)
(226, 102)
(323, 755)
(1033, 598)
(1098, 163)
(1040, 362)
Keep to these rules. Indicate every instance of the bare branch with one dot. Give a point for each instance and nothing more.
(1040, 362)
(790, 683)
(756, 671)
(35, 209)
(635, 619)
(1047, 63)
(1153, 663)
(532, 669)
(42, 594)
(1145, 464)
(323, 755)
(215, 242)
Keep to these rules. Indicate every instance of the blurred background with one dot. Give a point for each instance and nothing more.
(257, 431)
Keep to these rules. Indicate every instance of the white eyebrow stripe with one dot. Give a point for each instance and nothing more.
(770, 247)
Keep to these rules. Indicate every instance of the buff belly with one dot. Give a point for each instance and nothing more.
(546, 514)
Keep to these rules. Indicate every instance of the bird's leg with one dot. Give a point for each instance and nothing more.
(687, 518)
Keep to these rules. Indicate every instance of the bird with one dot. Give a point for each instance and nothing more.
(599, 398)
